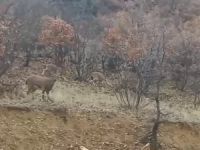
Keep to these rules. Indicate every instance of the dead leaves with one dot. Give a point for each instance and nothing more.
(56, 32)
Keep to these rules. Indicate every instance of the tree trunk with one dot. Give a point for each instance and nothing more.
(28, 57)
(103, 63)
(7, 59)
(185, 79)
(59, 56)
(139, 90)
(195, 99)
(78, 70)
(154, 139)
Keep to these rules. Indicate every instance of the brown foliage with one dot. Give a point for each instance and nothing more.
(113, 41)
(116, 42)
(56, 32)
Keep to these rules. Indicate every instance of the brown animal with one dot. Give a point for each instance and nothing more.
(45, 84)
(50, 70)
(98, 78)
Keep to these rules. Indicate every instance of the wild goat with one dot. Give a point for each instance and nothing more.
(50, 70)
(45, 84)
(98, 78)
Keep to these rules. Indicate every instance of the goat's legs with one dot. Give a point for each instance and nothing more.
(28, 92)
(48, 97)
(31, 89)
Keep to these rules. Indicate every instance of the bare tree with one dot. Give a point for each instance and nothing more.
(30, 14)
(9, 34)
(181, 65)
(78, 56)
(160, 51)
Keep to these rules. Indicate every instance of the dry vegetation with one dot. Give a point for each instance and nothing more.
(121, 74)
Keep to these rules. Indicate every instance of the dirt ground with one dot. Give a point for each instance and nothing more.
(27, 130)
(45, 131)
(180, 136)
(83, 115)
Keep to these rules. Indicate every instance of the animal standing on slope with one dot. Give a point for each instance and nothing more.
(37, 82)
(97, 78)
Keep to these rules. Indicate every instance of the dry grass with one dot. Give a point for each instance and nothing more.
(94, 119)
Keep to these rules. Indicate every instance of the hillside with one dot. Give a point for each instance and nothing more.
(99, 74)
